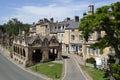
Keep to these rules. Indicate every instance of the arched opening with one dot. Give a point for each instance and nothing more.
(21, 52)
(53, 54)
(37, 55)
(24, 53)
(18, 50)
(14, 48)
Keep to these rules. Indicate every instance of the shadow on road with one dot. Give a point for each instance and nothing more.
(65, 57)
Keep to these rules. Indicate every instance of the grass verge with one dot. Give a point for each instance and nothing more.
(50, 69)
(94, 73)
(9, 48)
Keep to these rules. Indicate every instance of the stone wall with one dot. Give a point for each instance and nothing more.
(4, 51)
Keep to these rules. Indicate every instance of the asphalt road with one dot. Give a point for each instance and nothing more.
(9, 71)
(72, 70)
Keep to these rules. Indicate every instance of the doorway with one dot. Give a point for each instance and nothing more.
(36, 56)
(53, 54)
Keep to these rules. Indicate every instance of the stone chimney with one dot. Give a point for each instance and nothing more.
(45, 20)
(51, 20)
(67, 19)
(76, 19)
(90, 9)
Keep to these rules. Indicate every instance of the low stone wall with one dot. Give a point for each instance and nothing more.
(4, 51)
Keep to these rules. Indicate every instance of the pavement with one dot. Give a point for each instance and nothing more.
(9, 71)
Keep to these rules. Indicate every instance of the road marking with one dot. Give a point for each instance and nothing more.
(80, 68)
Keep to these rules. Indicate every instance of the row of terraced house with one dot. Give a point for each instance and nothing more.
(69, 36)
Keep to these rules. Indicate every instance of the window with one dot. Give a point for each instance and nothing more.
(46, 26)
(91, 36)
(73, 47)
(80, 37)
(59, 27)
(88, 50)
(61, 35)
(24, 53)
(80, 47)
(55, 27)
(72, 37)
(92, 51)
(63, 27)
(98, 34)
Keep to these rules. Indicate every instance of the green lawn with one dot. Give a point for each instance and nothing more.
(94, 73)
(50, 69)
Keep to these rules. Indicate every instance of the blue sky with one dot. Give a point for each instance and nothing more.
(29, 11)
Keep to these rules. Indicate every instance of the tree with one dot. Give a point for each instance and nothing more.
(13, 27)
(106, 18)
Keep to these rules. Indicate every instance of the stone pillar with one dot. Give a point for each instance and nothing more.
(28, 61)
(45, 55)
(59, 54)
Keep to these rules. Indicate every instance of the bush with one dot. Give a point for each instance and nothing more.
(115, 68)
(90, 60)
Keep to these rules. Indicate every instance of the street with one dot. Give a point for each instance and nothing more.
(72, 70)
(9, 71)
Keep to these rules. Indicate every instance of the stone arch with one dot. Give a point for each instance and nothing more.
(20, 51)
(53, 52)
(36, 55)
(14, 48)
(17, 49)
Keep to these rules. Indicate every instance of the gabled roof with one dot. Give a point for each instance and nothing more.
(29, 40)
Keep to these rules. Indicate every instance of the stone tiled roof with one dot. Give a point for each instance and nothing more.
(72, 24)
(29, 40)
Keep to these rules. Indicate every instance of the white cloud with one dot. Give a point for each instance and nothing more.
(29, 14)
(34, 13)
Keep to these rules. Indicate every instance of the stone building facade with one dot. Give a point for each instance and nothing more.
(29, 50)
(69, 36)
(66, 32)
(87, 51)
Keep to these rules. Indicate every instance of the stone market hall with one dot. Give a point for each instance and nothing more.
(29, 50)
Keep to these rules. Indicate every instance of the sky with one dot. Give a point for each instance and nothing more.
(29, 11)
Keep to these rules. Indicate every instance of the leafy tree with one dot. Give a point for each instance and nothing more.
(106, 18)
(13, 27)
